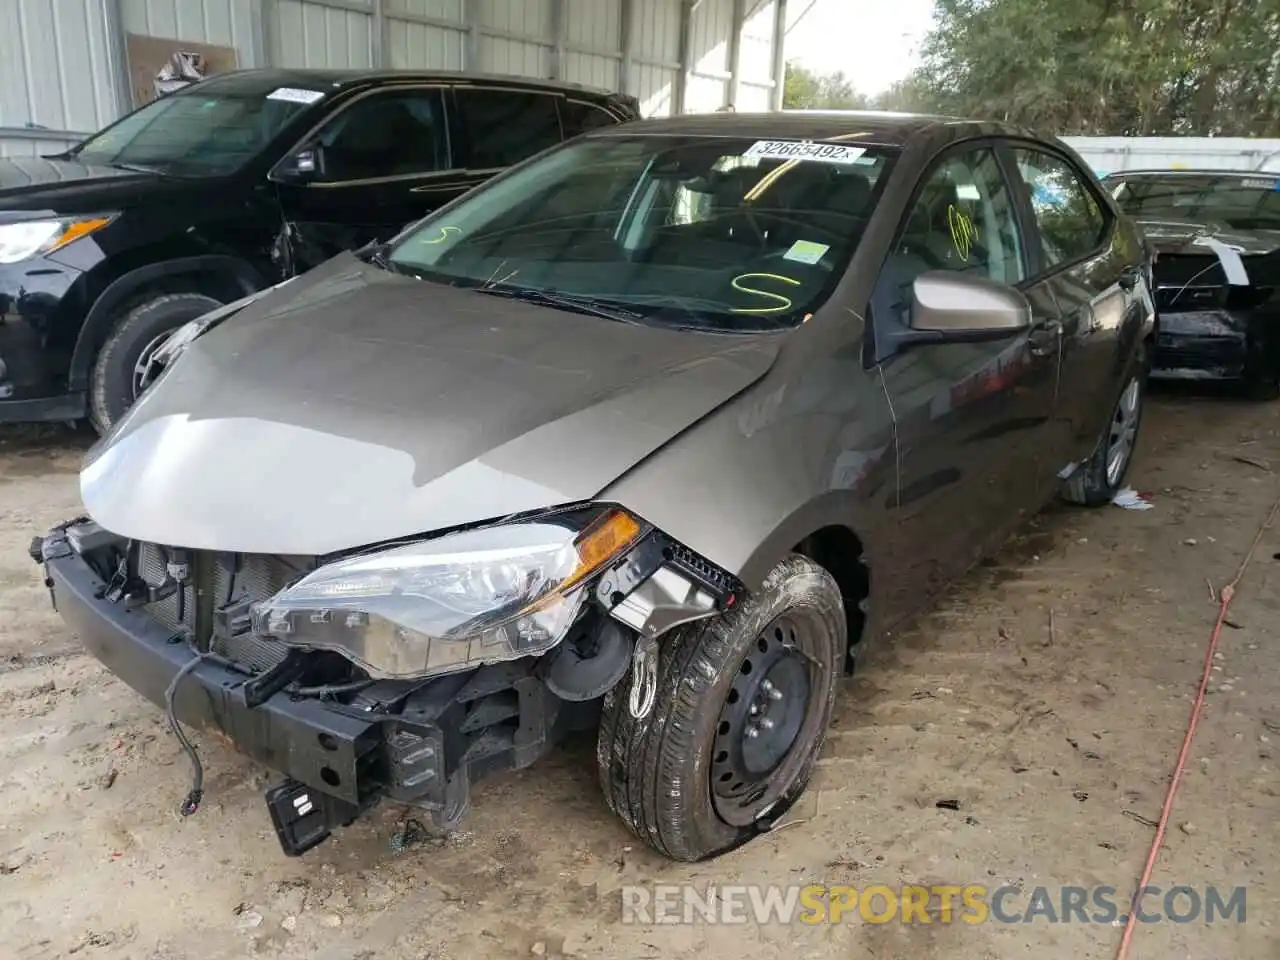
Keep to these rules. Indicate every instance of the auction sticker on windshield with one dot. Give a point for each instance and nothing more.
(295, 95)
(804, 150)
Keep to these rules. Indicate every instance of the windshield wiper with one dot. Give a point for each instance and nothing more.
(565, 301)
(135, 167)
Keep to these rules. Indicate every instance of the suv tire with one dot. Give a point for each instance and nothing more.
(690, 778)
(113, 385)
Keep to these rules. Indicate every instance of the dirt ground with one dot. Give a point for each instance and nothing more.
(1053, 743)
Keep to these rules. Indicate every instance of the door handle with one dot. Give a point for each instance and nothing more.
(1043, 338)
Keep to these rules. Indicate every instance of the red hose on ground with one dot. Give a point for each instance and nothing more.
(1228, 593)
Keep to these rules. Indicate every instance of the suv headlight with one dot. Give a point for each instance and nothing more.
(439, 606)
(18, 241)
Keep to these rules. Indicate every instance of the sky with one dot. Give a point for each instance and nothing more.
(874, 42)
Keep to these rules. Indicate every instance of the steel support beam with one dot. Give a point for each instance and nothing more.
(471, 49)
(380, 36)
(40, 133)
(779, 52)
(270, 25)
(737, 25)
(117, 57)
(627, 42)
(558, 30)
(681, 93)
(355, 6)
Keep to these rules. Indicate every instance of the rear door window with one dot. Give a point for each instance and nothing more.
(1068, 216)
(503, 127)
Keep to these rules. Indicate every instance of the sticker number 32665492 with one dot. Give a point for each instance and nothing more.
(804, 150)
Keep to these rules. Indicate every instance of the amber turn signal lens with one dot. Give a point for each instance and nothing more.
(603, 540)
(78, 229)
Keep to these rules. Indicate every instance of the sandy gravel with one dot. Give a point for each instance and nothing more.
(1044, 740)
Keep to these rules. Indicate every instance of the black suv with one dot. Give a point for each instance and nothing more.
(226, 187)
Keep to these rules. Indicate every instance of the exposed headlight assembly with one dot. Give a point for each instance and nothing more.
(439, 606)
(18, 241)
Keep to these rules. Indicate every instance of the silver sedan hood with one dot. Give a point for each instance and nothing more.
(354, 406)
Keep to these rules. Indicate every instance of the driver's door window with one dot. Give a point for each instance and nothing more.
(385, 136)
(963, 220)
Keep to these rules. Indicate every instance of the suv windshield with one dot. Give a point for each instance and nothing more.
(711, 232)
(1240, 202)
(210, 129)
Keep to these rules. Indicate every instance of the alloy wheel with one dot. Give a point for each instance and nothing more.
(1123, 431)
(147, 367)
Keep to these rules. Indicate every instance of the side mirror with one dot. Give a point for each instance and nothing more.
(303, 165)
(954, 308)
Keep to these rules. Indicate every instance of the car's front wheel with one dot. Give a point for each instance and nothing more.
(743, 703)
(1100, 478)
(126, 364)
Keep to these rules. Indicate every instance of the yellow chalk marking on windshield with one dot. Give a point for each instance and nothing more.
(963, 232)
(786, 303)
(768, 179)
(444, 234)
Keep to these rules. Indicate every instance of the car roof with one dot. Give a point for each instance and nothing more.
(865, 126)
(270, 78)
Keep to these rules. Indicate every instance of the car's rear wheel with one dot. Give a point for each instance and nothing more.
(1100, 478)
(126, 363)
(743, 704)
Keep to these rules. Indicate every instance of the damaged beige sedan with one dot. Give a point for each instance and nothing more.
(651, 435)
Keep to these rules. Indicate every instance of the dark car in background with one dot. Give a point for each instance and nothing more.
(1215, 235)
(652, 432)
(225, 188)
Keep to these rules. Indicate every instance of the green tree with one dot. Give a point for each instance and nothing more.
(1121, 67)
(806, 89)
(904, 96)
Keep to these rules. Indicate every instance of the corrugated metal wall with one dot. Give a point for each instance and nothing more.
(226, 23)
(55, 72)
(310, 34)
(416, 44)
(62, 62)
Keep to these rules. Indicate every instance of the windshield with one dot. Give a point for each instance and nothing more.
(1240, 202)
(211, 129)
(717, 233)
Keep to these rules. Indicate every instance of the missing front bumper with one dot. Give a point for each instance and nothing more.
(421, 744)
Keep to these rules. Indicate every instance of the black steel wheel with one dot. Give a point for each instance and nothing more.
(766, 707)
(742, 707)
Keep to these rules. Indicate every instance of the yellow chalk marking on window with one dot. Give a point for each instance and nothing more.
(444, 234)
(784, 302)
(963, 232)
